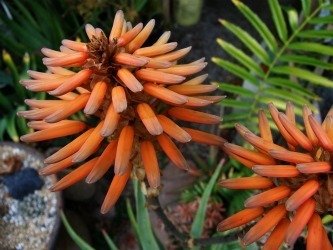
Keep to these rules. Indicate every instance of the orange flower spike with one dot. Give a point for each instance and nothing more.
(150, 163)
(245, 162)
(124, 150)
(314, 237)
(301, 218)
(149, 119)
(290, 156)
(111, 122)
(69, 149)
(38, 114)
(264, 128)
(260, 143)
(44, 84)
(185, 69)
(204, 137)
(192, 89)
(314, 167)
(276, 238)
(253, 156)
(275, 115)
(74, 176)
(268, 197)
(193, 116)
(301, 139)
(40, 125)
(306, 191)
(55, 132)
(173, 130)
(255, 182)
(157, 64)
(322, 136)
(96, 98)
(74, 45)
(117, 25)
(309, 132)
(68, 109)
(240, 218)
(164, 38)
(280, 171)
(155, 50)
(103, 163)
(197, 81)
(164, 94)
(141, 37)
(197, 102)
(175, 55)
(129, 80)
(172, 151)
(90, 145)
(55, 167)
(270, 219)
(116, 188)
(124, 39)
(131, 60)
(158, 76)
(32, 103)
(119, 99)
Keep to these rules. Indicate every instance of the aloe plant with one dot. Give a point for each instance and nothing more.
(279, 68)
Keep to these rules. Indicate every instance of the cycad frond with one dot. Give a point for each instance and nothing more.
(283, 67)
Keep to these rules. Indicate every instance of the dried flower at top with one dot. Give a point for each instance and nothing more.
(135, 91)
(296, 180)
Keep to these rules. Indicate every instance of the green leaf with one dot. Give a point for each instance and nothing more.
(75, 237)
(312, 47)
(21, 122)
(3, 123)
(235, 116)
(199, 219)
(5, 103)
(11, 128)
(278, 19)
(322, 20)
(241, 57)
(145, 232)
(306, 6)
(109, 241)
(231, 88)
(235, 104)
(258, 24)
(236, 70)
(292, 18)
(248, 41)
(280, 104)
(316, 34)
(304, 74)
(306, 60)
(132, 217)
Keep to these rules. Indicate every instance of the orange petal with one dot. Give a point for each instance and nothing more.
(96, 98)
(129, 59)
(149, 119)
(268, 197)
(326, 244)
(192, 89)
(314, 239)
(306, 191)
(276, 170)
(269, 220)
(240, 218)
(41, 75)
(276, 237)
(56, 167)
(74, 45)
(54, 132)
(75, 81)
(78, 58)
(155, 50)
(163, 38)
(193, 116)
(301, 139)
(173, 130)
(260, 143)
(43, 103)
(119, 99)
(103, 163)
(52, 53)
(197, 102)
(157, 64)
(90, 145)
(258, 158)
(314, 167)
(117, 25)
(124, 150)
(61, 71)
(158, 76)
(129, 35)
(129, 80)
(164, 94)
(255, 182)
(90, 30)
(150, 163)
(175, 55)
(309, 132)
(110, 122)
(40, 125)
(204, 137)
(116, 188)
(43, 85)
(298, 223)
(290, 156)
(171, 150)
(212, 99)
(69, 149)
(74, 176)
(185, 69)
(141, 37)
(38, 114)
(322, 136)
(197, 80)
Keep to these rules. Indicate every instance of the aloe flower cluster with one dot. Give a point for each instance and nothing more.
(295, 180)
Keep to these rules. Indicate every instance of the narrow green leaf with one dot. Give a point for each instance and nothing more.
(231, 88)
(306, 6)
(241, 57)
(280, 104)
(21, 122)
(75, 237)
(258, 24)
(278, 19)
(306, 60)
(248, 41)
(235, 104)
(236, 70)
(3, 123)
(199, 219)
(5, 103)
(11, 128)
(304, 74)
(316, 34)
(312, 47)
(235, 116)
(132, 217)
(26, 14)
(322, 20)
(292, 18)
(109, 241)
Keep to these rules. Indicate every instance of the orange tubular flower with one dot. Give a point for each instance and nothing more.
(296, 180)
(136, 91)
